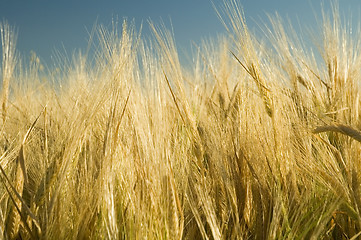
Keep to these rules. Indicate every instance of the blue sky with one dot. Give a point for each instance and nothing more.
(46, 25)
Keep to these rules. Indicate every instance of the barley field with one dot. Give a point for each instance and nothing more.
(258, 138)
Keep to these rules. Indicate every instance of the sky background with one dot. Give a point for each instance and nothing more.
(47, 25)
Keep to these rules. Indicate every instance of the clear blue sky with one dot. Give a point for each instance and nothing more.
(46, 25)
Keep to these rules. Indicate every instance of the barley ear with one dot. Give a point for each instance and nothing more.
(340, 128)
(12, 222)
(261, 85)
(18, 186)
(8, 40)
